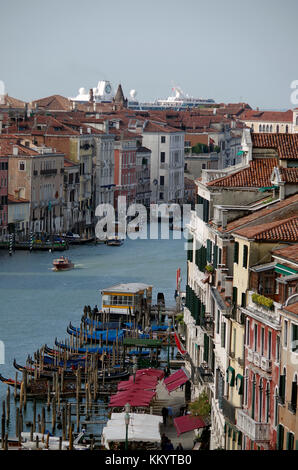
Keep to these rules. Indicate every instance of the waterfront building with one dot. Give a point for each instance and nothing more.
(18, 216)
(36, 175)
(72, 216)
(276, 122)
(3, 192)
(143, 165)
(167, 161)
(125, 150)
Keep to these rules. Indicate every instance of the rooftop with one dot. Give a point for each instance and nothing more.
(131, 288)
(256, 175)
(281, 230)
(289, 253)
(286, 145)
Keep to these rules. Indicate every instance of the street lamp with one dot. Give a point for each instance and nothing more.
(126, 420)
(169, 330)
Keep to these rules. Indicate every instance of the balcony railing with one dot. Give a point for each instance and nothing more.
(49, 172)
(205, 375)
(256, 431)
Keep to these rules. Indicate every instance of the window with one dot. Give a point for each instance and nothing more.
(294, 395)
(294, 338)
(269, 344)
(260, 399)
(277, 352)
(160, 195)
(163, 139)
(267, 402)
(247, 331)
(290, 441)
(218, 322)
(285, 333)
(280, 437)
(282, 387)
(22, 166)
(255, 338)
(243, 300)
(245, 254)
(262, 340)
(277, 128)
(162, 157)
(236, 252)
(223, 334)
(161, 180)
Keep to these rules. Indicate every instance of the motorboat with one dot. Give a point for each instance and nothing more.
(62, 263)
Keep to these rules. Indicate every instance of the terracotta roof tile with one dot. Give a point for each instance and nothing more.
(286, 145)
(267, 116)
(289, 175)
(290, 253)
(257, 175)
(289, 205)
(292, 308)
(281, 230)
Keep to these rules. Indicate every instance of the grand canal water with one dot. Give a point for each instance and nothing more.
(36, 303)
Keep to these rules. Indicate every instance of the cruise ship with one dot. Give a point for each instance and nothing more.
(177, 102)
(104, 93)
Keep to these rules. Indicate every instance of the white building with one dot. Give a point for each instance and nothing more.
(167, 161)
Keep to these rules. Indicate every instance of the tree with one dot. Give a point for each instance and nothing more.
(201, 406)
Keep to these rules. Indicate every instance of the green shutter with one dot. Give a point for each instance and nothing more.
(219, 256)
(206, 348)
(209, 248)
(236, 252)
(245, 255)
(280, 437)
(282, 383)
(215, 255)
(294, 395)
(235, 295)
(223, 334)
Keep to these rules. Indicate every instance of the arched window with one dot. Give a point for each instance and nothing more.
(267, 402)
(271, 128)
(276, 407)
(260, 128)
(287, 128)
(277, 128)
(253, 398)
(260, 399)
(294, 394)
(246, 378)
(252, 127)
(267, 128)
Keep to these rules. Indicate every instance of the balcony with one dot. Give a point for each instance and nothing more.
(266, 364)
(257, 432)
(257, 361)
(229, 411)
(49, 172)
(204, 375)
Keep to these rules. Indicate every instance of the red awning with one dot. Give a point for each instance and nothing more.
(176, 379)
(188, 423)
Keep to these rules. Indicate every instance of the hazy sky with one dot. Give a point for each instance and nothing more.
(229, 50)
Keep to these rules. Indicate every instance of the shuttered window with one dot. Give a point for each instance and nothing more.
(223, 335)
(280, 437)
(282, 387)
(294, 396)
(236, 252)
(215, 256)
(245, 255)
(206, 348)
(209, 250)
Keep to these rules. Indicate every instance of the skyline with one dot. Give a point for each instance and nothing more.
(240, 53)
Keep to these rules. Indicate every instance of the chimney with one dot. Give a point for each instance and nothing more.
(224, 217)
(15, 150)
(81, 130)
(88, 130)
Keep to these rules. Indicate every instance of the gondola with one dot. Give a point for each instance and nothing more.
(10, 382)
(97, 336)
(86, 350)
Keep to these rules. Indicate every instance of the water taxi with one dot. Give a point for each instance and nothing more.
(62, 264)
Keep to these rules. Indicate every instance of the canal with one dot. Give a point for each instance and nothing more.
(37, 304)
